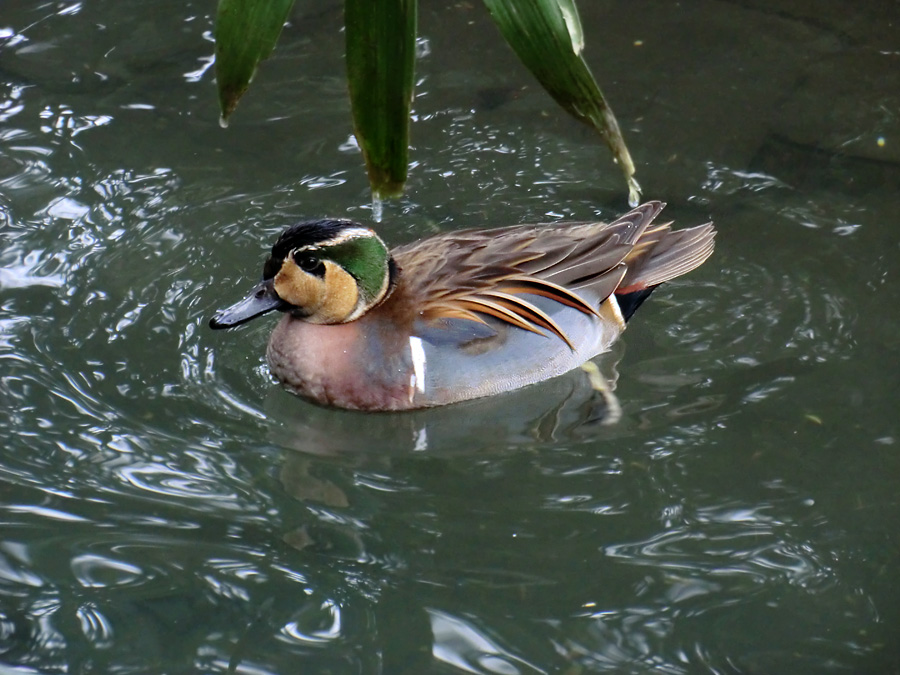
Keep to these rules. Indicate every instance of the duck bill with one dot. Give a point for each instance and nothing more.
(262, 299)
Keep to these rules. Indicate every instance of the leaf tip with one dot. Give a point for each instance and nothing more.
(634, 192)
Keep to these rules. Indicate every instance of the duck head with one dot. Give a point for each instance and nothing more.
(322, 271)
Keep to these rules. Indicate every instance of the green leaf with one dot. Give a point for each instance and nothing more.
(381, 55)
(547, 37)
(573, 24)
(246, 32)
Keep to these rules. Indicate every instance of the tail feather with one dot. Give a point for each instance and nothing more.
(662, 255)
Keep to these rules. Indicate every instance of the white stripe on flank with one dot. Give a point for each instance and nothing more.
(417, 351)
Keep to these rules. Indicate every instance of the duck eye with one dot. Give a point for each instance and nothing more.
(310, 264)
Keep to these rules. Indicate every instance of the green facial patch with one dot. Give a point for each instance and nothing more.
(364, 258)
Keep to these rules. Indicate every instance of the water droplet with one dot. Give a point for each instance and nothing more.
(377, 207)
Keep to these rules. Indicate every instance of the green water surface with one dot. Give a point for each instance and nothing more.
(166, 508)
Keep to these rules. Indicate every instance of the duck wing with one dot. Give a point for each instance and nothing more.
(473, 274)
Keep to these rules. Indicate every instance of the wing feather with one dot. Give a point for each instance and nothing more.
(533, 314)
(474, 274)
(497, 310)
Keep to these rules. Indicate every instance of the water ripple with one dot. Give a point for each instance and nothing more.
(96, 571)
(96, 627)
(315, 625)
(156, 519)
(740, 549)
(120, 575)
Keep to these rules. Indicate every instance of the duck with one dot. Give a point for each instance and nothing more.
(459, 315)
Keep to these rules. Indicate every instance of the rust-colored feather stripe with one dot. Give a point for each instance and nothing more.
(525, 284)
(461, 313)
(528, 311)
(497, 310)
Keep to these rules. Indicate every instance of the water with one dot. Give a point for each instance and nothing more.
(167, 509)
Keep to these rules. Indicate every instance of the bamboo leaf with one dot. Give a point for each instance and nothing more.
(573, 24)
(246, 32)
(547, 37)
(381, 53)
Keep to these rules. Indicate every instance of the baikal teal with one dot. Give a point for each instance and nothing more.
(456, 316)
